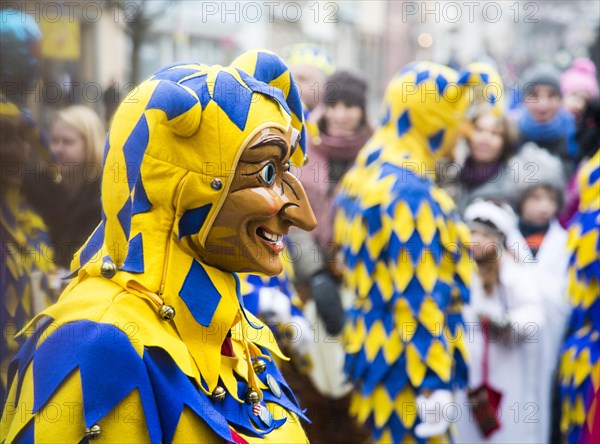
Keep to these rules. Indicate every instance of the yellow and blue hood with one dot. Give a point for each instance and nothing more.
(171, 137)
(424, 107)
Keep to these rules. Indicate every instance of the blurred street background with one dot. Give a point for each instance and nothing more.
(95, 51)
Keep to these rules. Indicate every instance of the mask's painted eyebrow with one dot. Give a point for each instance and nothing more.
(272, 139)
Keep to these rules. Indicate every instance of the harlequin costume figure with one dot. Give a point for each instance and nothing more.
(26, 261)
(150, 342)
(580, 363)
(405, 255)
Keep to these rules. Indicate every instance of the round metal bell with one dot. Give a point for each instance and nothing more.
(216, 184)
(259, 366)
(166, 312)
(93, 432)
(218, 393)
(108, 269)
(252, 397)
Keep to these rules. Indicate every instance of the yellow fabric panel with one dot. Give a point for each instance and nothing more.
(405, 320)
(587, 251)
(404, 222)
(427, 271)
(61, 419)
(376, 338)
(403, 272)
(385, 406)
(125, 423)
(383, 281)
(392, 348)
(361, 407)
(354, 336)
(415, 365)
(431, 316)
(583, 367)
(439, 360)
(426, 225)
(14, 419)
(406, 406)
(192, 429)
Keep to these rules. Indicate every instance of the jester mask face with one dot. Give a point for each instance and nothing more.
(264, 201)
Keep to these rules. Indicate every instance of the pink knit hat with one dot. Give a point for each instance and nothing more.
(581, 76)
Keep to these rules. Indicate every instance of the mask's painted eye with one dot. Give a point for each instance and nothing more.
(268, 173)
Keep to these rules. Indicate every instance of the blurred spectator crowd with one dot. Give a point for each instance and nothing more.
(515, 178)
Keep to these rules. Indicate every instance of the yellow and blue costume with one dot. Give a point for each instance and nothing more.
(251, 285)
(148, 343)
(580, 362)
(309, 54)
(288, 332)
(26, 259)
(26, 253)
(405, 250)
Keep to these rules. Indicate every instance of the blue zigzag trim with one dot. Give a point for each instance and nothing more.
(109, 366)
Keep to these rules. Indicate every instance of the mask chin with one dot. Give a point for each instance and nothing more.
(274, 267)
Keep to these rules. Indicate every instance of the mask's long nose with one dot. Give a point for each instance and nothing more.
(298, 210)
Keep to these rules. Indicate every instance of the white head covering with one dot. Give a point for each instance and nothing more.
(500, 215)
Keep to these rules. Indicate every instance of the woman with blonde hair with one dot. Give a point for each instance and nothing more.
(77, 140)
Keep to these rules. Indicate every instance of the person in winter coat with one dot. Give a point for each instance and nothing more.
(541, 118)
(541, 243)
(503, 320)
(150, 342)
(77, 140)
(405, 256)
(491, 141)
(343, 131)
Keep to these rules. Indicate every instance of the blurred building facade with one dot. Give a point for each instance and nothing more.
(84, 50)
(90, 45)
(511, 34)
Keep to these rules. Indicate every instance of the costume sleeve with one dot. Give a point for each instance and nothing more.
(82, 380)
(430, 269)
(409, 267)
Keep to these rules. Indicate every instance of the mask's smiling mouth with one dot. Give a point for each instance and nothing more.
(273, 240)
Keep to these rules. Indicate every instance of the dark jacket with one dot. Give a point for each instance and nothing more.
(74, 220)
